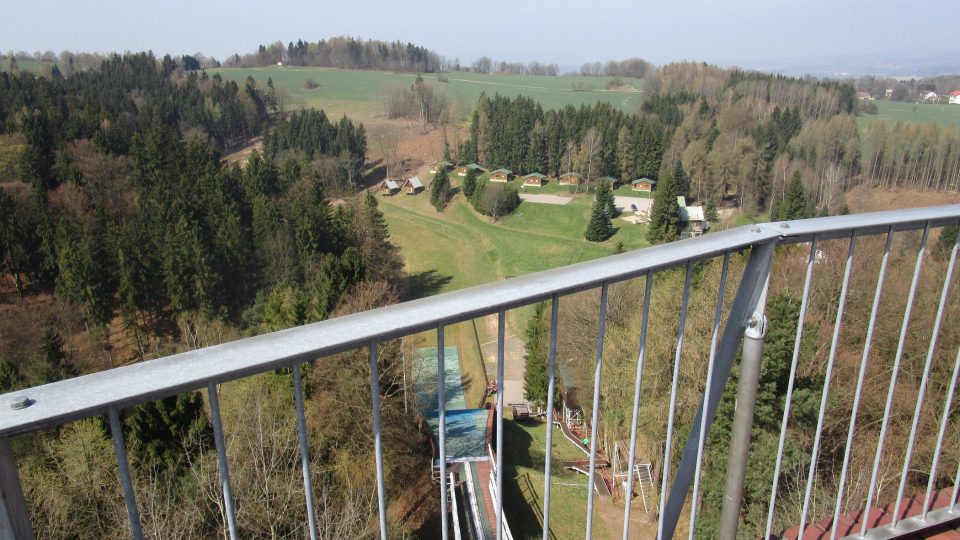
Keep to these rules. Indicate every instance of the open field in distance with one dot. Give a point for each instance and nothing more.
(359, 93)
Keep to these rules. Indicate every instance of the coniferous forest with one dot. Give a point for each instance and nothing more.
(125, 218)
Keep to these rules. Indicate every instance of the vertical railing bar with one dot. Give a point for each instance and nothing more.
(956, 489)
(946, 408)
(378, 437)
(860, 380)
(442, 428)
(501, 335)
(551, 388)
(811, 259)
(222, 458)
(874, 475)
(826, 384)
(601, 330)
(717, 315)
(129, 497)
(638, 384)
(304, 450)
(944, 420)
(924, 381)
(665, 472)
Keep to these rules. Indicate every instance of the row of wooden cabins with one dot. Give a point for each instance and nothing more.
(536, 179)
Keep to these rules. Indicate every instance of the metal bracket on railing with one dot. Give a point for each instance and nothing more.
(756, 326)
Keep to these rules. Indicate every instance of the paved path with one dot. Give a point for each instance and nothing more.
(623, 203)
(513, 364)
(544, 198)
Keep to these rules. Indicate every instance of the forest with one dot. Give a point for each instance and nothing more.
(120, 223)
(737, 135)
(343, 52)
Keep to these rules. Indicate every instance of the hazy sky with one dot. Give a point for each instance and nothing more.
(562, 31)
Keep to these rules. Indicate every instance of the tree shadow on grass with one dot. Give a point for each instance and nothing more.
(422, 284)
(521, 501)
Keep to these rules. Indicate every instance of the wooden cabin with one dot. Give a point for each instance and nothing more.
(570, 179)
(442, 165)
(412, 186)
(534, 179)
(643, 184)
(693, 217)
(614, 182)
(501, 175)
(462, 170)
(388, 187)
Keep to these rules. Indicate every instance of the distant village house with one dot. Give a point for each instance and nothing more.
(955, 97)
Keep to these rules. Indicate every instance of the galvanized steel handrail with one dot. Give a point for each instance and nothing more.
(112, 390)
(62, 401)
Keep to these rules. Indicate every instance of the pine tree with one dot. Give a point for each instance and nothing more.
(600, 227)
(795, 204)
(536, 377)
(470, 183)
(439, 189)
(626, 154)
(681, 179)
(665, 214)
(605, 195)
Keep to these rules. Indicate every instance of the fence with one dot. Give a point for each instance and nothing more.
(111, 391)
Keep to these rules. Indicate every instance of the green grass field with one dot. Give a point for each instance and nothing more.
(472, 249)
(359, 93)
(892, 111)
(524, 451)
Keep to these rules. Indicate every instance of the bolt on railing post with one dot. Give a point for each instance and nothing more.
(14, 519)
(749, 378)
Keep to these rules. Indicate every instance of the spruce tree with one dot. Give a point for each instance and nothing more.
(439, 189)
(665, 214)
(605, 194)
(681, 180)
(536, 377)
(795, 204)
(600, 227)
(470, 183)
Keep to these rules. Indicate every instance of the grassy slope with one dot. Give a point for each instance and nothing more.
(524, 452)
(359, 93)
(473, 249)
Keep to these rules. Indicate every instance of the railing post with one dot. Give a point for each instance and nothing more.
(745, 303)
(14, 520)
(743, 417)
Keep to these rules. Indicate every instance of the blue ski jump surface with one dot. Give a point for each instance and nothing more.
(466, 432)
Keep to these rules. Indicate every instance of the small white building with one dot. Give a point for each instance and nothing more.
(929, 96)
(955, 97)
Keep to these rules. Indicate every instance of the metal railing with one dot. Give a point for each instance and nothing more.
(111, 391)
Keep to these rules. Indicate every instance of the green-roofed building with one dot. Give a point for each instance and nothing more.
(570, 179)
(643, 184)
(534, 179)
(501, 175)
